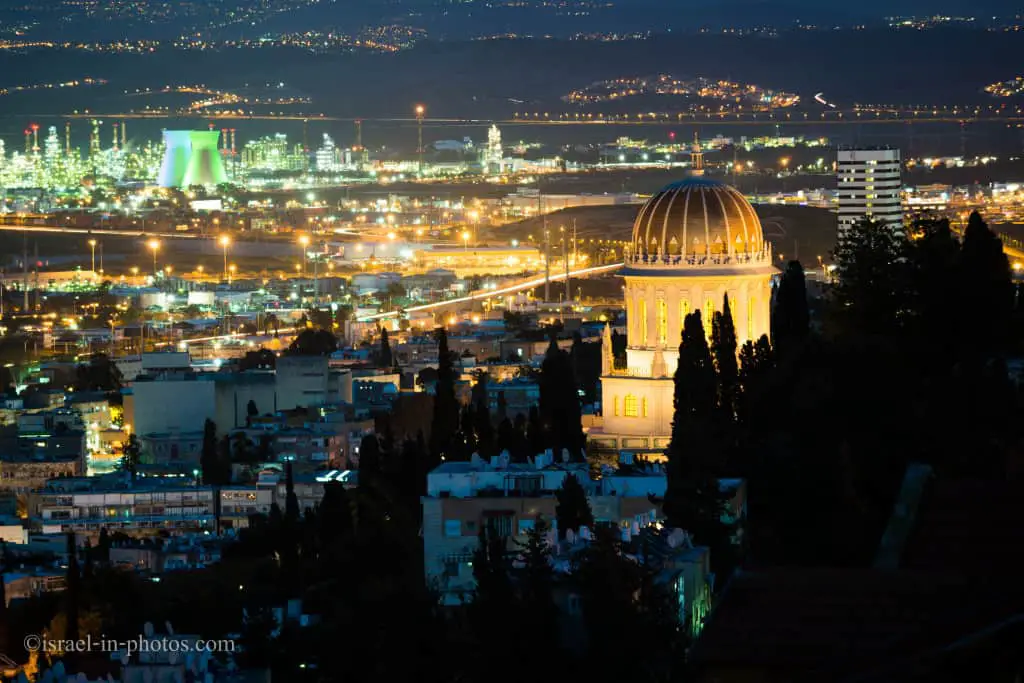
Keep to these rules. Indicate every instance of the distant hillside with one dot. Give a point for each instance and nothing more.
(794, 231)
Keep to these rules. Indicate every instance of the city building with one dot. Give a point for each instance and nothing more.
(694, 243)
(869, 186)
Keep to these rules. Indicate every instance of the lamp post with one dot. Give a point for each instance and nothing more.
(303, 243)
(225, 242)
(420, 111)
(232, 269)
(92, 246)
(155, 246)
(465, 240)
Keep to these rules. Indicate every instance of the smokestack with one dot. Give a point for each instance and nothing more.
(359, 133)
(115, 137)
(67, 138)
(28, 141)
(233, 148)
(223, 141)
(124, 135)
(35, 138)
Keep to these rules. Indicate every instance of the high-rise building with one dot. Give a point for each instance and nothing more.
(869, 187)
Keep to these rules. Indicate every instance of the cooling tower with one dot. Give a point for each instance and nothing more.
(205, 166)
(172, 170)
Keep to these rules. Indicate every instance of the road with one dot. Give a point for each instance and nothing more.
(830, 117)
(96, 231)
(529, 283)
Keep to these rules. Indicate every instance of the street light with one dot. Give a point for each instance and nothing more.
(303, 243)
(231, 271)
(225, 242)
(420, 111)
(155, 246)
(92, 245)
(465, 239)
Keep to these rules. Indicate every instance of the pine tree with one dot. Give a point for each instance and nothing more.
(573, 508)
(291, 501)
(791, 317)
(987, 287)
(872, 291)
(103, 545)
(386, 358)
(446, 408)
(251, 412)
(536, 581)
(130, 456)
(534, 433)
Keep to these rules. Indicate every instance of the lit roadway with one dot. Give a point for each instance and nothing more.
(501, 291)
(95, 231)
(830, 117)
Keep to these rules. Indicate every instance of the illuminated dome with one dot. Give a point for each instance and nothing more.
(697, 220)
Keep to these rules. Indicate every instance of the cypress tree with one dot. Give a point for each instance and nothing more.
(560, 404)
(386, 358)
(446, 409)
(291, 501)
(791, 318)
(723, 348)
(370, 464)
(72, 597)
(209, 462)
(693, 498)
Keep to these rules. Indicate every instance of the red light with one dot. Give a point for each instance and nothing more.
(35, 126)
(672, 135)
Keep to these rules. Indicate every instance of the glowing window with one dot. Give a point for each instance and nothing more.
(643, 406)
(684, 310)
(662, 322)
(643, 323)
(632, 406)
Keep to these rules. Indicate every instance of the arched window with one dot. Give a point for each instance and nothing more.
(643, 323)
(662, 321)
(631, 406)
(684, 310)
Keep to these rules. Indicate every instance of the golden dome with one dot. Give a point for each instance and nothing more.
(697, 217)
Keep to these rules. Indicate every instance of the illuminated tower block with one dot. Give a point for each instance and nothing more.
(176, 157)
(205, 166)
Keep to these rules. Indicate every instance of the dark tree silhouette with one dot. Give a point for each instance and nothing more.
(573, 509)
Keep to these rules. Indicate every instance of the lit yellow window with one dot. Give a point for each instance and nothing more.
(643, 406)
(616, 401)
(662, 322)
(684, 310)
(643, 323)
(631, 406)
(709, 313)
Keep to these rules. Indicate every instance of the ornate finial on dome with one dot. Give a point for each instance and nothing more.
(696, 157)
(658, 368)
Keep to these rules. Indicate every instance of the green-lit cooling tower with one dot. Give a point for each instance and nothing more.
(204, 165)
(178, 148)
(191, 158)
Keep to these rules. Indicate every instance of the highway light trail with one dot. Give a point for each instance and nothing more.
(487, 294)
